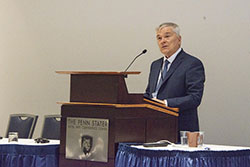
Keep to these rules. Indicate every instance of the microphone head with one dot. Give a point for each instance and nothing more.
(144, 51)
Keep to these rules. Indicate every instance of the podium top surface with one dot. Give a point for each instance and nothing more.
(98, 72)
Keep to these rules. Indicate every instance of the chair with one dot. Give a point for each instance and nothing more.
(51, 127)
(24, 124)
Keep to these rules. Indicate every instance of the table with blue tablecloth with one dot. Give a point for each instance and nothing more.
(27, 153)
(136, 155)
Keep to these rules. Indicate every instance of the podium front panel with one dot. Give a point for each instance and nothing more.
(97, 88)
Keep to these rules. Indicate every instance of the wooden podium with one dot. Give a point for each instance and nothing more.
(131, 117)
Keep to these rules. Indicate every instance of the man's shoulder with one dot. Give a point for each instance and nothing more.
(157, 61)
(189, 57)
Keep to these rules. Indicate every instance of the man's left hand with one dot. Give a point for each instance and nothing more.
(158, 100)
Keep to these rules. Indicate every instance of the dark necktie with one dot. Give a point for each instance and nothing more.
(165, 70)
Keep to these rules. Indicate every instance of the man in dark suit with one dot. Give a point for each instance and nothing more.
(179, 81)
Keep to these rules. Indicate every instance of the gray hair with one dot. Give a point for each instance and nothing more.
(175, 27)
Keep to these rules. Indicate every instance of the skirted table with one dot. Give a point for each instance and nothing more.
(135, 155)
(27, 153)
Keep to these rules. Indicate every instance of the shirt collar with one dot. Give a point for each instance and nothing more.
(172, 58)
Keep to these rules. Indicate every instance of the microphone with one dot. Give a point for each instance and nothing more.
(143, 52)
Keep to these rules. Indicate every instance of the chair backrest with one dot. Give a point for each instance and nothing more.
(24, 124)
(51, 127)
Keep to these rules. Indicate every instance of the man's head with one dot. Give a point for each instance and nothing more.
(168, 38)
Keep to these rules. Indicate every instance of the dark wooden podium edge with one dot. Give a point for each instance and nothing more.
(98, 72)
(161, 105)
(166, 110)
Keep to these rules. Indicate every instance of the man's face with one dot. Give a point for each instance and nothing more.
(168, 41)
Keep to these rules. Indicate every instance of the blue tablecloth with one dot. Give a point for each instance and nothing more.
(128, 156)
(16, 155)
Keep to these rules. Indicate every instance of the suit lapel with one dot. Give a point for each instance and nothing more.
(156, 73)
(174, 66)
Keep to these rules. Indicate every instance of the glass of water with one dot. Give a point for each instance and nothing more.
(184, 139)
(13, 137)
(201, 139)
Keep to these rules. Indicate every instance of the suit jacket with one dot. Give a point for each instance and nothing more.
(182, 87)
